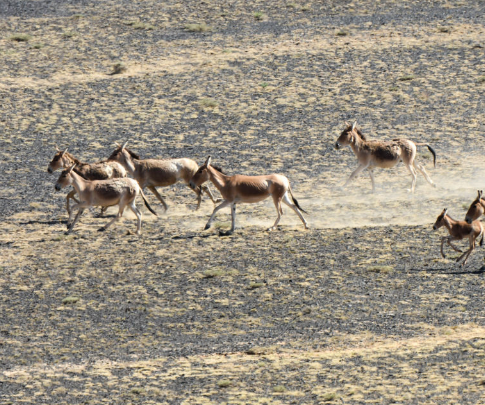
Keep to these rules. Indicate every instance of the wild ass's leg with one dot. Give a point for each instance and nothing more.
(355, 173)
(233, 222)
(420, 168)
(79, 213)
(116, 218)
(137, 212)
(468, 252)
(71, 195)
(288, 202)
(207, 190)
(449, 239)
(225, 203)
(371, 175)
(415, 176)
(279, 211)
(443, 240)
(154, 191)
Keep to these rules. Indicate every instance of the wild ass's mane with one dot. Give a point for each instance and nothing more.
(218, 168)
(362, 136)
(118, 150)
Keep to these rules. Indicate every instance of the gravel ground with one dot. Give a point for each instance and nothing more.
(361, 308)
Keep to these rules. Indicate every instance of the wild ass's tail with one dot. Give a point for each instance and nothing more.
(146, 203)
(431, 150)
(295, 201)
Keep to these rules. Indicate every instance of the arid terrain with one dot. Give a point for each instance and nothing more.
(359, 309)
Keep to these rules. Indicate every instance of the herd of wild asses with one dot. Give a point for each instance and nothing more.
(106, 184)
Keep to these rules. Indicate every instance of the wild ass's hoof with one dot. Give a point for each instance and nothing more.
(207, 226)
(67, 232)
(225, 233)
(102, 229)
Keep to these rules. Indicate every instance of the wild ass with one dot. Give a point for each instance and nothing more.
(103, 193)
(247, 189)
(371, 154)
(95, 171)
(152, 173)
(459, 230)
(476, 209)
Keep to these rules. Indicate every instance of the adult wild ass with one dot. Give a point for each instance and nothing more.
(459, 230)
(476, 209)
(371, 154)
(152, 173)
(247, 189)
(103, 170)
(102, 193)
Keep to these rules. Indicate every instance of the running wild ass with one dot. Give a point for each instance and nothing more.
(152, 173)
(102, 193)
(371, 154)
(95, 171)
(476, 209)
(247, 189)
(459, 230)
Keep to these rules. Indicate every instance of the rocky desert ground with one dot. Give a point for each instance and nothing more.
(359, 309)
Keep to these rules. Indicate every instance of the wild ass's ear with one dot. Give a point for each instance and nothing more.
(347, 124)
(65, 150)
(445, 211)
(480, 193)
(208, 161)
(57, 148)
(72, 168)
(354, 125)
(124, 145)
(117, 144)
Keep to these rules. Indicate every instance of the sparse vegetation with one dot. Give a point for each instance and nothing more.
(210, 273)
(342, 33)
(69, 34)
(224, 383)
(380, 269)
(406, 78)
(70, 300)
(258, 15)
(202, 27)
(21, 37)
(140, 25)
(208, 103)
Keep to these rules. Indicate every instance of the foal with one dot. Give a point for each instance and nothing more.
(371, 154)
(247, 189)
(95, 171)
(103, 193)
(459, 230)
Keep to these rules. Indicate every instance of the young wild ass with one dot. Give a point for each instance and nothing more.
(371, 154)
(247, 189)
(104, 193)
(459, 230)
(476, 209)
(152, 173)
(95, 171)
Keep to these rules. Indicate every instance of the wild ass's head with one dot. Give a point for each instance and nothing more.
(202, 174)
(59, 160)
(348, 135)
(440, 221)
(476, 209)
(65, 179)
(124, 156)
